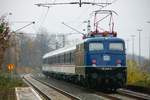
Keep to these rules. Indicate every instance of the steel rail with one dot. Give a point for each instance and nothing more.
(101, 94)
(133, 94)
(107, 96)
(38, 90)
(59, 90)
(121, 92)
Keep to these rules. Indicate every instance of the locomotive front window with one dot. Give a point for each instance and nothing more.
(116, 46)
(96, 46)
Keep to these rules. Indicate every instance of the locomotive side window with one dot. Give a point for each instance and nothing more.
(116, 46)
(96, 46)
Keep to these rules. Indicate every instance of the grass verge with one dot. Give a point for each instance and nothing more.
(8, 84)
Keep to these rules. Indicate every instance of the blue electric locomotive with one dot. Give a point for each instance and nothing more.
(97, 62)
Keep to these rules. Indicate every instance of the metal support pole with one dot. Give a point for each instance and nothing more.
(149, 48)
(139, 30)
(88, 27)
(16, 47)
(132, 36)
(63, 40)
(127, 48)
(149, 42)
(73, 28)
(24, 27)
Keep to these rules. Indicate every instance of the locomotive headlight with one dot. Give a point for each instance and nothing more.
(94, 63)
(118, 63)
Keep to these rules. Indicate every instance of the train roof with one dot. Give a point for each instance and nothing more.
(59, 51)
(70, 48)
(103, 39)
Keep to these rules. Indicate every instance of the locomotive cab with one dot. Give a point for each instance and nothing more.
(105, 61)
(105, 52)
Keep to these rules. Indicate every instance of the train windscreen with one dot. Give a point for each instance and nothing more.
(116, 46)
(96, 46)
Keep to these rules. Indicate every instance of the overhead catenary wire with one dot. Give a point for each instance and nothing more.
(46, 14)
(104, 3)
(87, 9)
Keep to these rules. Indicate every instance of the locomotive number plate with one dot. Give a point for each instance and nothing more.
(106, 58)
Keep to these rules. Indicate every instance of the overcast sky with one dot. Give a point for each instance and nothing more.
(132, 15)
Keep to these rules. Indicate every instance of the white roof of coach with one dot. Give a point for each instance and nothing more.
(61, 50)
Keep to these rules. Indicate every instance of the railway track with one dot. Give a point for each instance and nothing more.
(49, 92)
(104, 95)
(113, 95)
(121, 94)
(137, 95)
(124, 94)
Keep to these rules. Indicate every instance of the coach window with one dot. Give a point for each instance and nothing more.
(116, 46)
(64, 58)
(60, 59)
(43, 61)
(72, 57)
(96, 46)
(52, 60)
(68, 58)
(55, 59)
(48, 61)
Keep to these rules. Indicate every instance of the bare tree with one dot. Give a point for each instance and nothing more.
(30, 50)
(4, 38)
